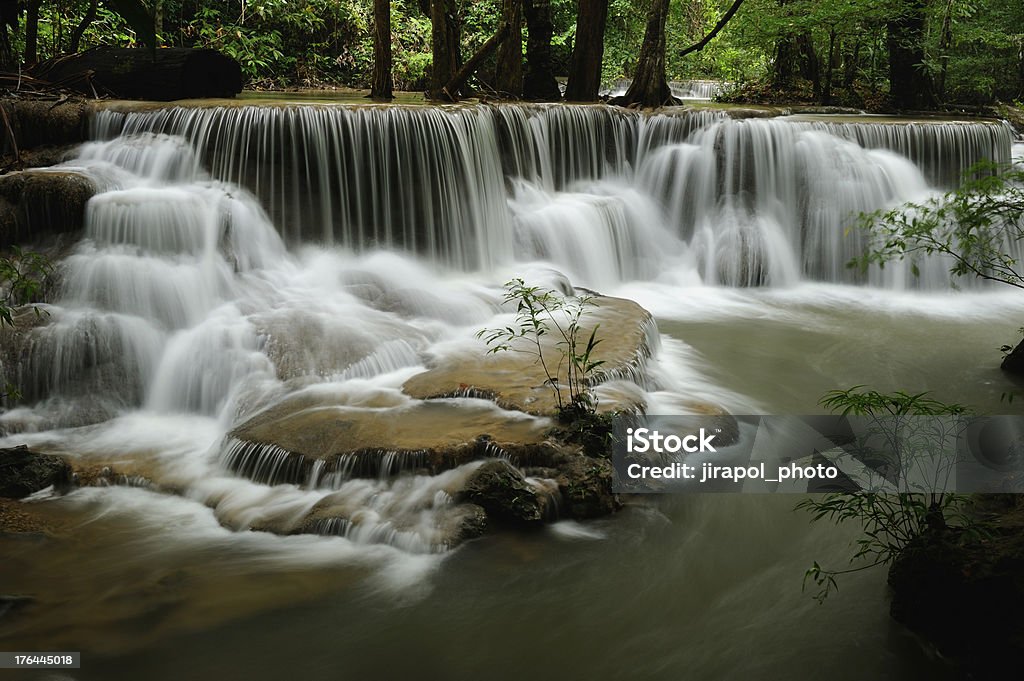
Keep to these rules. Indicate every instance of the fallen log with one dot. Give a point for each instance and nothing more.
(142, 73)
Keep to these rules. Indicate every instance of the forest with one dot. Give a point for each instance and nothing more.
(872, 54)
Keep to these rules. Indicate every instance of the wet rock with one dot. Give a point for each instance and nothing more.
(45, 156)
(828, 110)
(45, 123)
(964, 593)
(517, 381)
(1013, 114)
(744, 112)
(503, 492)
(586, 487)
(1013, 363)
(39, 204)
(465, 522)
(370, 439)
(12, 603)
(338, 515)
(24, 472)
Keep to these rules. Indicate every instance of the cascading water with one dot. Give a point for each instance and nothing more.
(241, 256)
(696, 90)
(750, 202)
(183, 298)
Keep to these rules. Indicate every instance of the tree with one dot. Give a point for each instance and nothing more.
(32, 31)
(701, 44)
(445, 47)
(909, 84)
(83, 25)
(509, 68)
(650, 85)
(588, 52)
(9, 12)
(469, 68)
(381, 83)
(539, 82)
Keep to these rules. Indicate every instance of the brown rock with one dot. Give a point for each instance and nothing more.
(36, 204)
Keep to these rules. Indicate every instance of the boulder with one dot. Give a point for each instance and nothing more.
(24, 472)
(42, 124)
(586, 487)
(504, 493)
(1013, 363)
(37, 204)
(964, 593)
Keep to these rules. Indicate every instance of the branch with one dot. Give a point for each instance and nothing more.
(459, 79)
(696, 47)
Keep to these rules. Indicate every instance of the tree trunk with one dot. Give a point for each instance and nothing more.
(785, 58)
(851, 65)
(588, 52)
(381, 84)
(826, 95)
(945, 40)
(539, 82)
(76, 35)
(445, 46)
(32, 32)
(810, 68)
(650, 87)
(509, 68)
(10, 10)
(139, 73)
(908, 83)
(158, 22)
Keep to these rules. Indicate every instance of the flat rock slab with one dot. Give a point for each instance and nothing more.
(516, 380)
(282, 443)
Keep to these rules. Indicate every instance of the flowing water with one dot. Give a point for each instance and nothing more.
(238, 255)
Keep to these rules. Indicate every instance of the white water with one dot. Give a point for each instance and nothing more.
(368, 240)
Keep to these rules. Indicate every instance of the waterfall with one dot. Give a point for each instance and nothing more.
(610, 195)
(239, 256)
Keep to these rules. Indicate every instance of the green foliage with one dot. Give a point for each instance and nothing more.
(838, 49)
(861, 402)
(24, 278)
(544, 313)
(891, 520)
(979, 226)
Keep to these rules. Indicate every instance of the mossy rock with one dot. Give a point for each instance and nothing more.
(24, 472)
(38, 204)
(503, 492)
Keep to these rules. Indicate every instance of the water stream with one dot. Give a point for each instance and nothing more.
(238, 255)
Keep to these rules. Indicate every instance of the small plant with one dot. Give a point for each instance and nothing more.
(542, 312)
(24, 277)
(891, 520)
